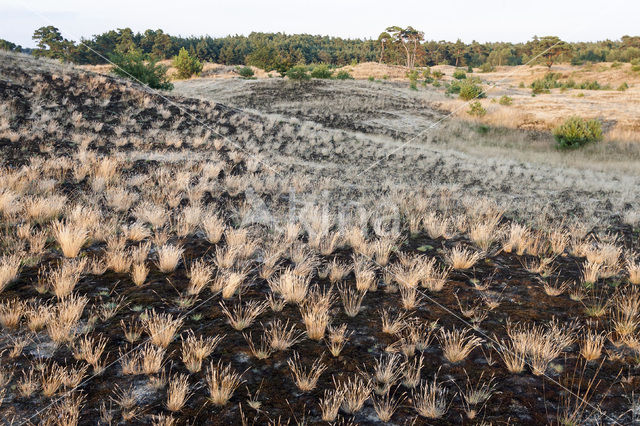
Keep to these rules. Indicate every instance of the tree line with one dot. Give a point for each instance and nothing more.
(396, 45)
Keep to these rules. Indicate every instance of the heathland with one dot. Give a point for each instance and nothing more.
(364, 250)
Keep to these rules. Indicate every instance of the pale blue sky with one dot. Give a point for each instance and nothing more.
(482, 20)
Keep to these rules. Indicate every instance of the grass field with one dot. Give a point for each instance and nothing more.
(324, 252)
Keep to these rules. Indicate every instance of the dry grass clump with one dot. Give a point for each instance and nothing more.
(90, 350)
(392, 324)
(168, 257)
(221, 383)
(291, 286)
(162, 328)
(330, 404)
(195, 349)
(315, 312)
(337, 338)
(632, 267)
(517, 239)
(462, 258)
(213, 227)
(244, 315)
(306, 379)
(387, 371)
(457, 344)
(485, 232)
(338, 270)
(476, 396)
(591, 345)
(70, 236)
(430, 400)
(351, 300)
(280, 336)
(355, 391)
(177, 392)
(11, 312)
(9, 269)
(540, 344)
(436, 226)
(63, 279)
(42, 209)
(139, 272)
(365, 274)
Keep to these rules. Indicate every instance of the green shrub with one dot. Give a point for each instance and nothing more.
(427, 72)
(186, 64)
(298, 73)
(469, 89)
(459, 75)
(437, 74)
(321, 71)
(487, 67)
(371, 78)
(344, 75)
(470, 69)
(245, 72)
(624, 86)
(436, 84)
(476, 109)
(413, 79)
(576, 131)
(133, 65)
(505, 100)
(453, 88)
(521, 85)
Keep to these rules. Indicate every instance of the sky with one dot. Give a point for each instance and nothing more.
(481, 20)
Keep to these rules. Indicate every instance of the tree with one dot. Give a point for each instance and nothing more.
(409, 38)
(549, 49)
(384, 39)
(459, 49)
(7, 45)
(186, 64)
(51, 44)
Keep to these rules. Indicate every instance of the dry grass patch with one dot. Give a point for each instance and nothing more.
(306, 378)
(168, 257)
(9, 269)
(162, 328)
(222, 381)
(462, 258)
(457, 344)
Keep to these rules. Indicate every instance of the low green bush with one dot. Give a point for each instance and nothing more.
(437, 74)
(371, 78)
(576, 132)
(134, 65)
(459, 75)
(469, 89)
(321, 71)
(245, 72)
(298, 72)
(413, 79)
(487, 67)
(624, 86)
(344, 75)
(505, 100)
(476, 109)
